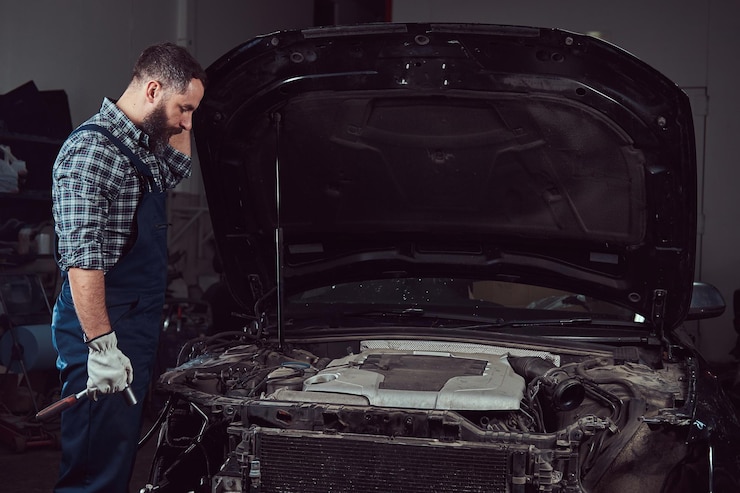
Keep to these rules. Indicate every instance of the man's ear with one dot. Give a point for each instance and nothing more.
(153, 90)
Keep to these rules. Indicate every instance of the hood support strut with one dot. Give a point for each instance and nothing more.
(280, 291)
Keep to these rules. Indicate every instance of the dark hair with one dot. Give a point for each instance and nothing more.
(172, 65)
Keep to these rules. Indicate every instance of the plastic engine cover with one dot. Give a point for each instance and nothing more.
(424, 380)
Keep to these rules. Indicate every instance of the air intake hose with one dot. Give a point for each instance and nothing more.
(563, 392)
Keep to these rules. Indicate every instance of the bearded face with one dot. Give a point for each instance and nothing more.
(159, 131)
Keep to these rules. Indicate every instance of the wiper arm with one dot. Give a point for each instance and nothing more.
(498, 322)
(539, 322)
(415, 312)
(561, 321)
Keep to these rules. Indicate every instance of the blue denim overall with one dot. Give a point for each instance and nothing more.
(99, 438)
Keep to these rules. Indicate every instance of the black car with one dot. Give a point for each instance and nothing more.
(463, 255)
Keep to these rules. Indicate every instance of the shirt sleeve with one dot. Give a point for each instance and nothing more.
(178, 167)
(87, 176)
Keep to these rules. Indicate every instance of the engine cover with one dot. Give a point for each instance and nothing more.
(422, 380)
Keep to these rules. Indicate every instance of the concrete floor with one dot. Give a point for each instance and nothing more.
(35, 469)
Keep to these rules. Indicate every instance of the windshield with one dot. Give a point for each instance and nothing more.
(490, 299)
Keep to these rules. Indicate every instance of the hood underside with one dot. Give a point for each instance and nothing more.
(493, 152)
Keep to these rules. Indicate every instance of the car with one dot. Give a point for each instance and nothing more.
(463, 255)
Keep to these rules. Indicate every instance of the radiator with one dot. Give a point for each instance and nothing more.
(314, 462)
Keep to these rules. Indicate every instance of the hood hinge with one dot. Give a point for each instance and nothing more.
(660, 297)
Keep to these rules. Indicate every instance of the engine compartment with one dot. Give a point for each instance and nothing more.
(557, 421)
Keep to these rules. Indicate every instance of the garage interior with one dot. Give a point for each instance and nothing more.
(59, 59)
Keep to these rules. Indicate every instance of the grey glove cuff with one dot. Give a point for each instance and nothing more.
(103, 343)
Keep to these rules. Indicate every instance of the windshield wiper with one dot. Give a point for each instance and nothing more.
(492, 323)
(420, 313)
(537, 322)
(390, 312)
(560, 322)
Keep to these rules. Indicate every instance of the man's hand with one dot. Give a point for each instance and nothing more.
(108, 369)
(181, 142)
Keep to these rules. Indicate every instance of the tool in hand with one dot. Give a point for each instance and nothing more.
(69, 401)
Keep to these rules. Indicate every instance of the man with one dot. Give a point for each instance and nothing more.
(109, 187)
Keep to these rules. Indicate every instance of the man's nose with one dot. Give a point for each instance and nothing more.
(186, 122)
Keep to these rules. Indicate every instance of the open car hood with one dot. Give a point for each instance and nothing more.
(497, 152)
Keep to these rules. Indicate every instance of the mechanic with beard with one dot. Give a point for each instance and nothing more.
(109, 187)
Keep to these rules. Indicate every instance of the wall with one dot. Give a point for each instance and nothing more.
(693, 42)
(721, 207)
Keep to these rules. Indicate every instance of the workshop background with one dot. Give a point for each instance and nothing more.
(59, 59)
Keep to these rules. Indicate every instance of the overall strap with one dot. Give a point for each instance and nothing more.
(142, 168)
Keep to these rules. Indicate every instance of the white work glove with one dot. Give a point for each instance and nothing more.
(108, 369)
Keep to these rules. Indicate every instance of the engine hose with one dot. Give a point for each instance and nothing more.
(208, 343)
(158, 422)
(564, 394)
(616, 444)
(530, 367)
(609, 399)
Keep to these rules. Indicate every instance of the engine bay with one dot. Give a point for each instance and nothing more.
(557, 421)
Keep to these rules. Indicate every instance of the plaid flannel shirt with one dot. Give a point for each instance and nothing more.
(96, 190)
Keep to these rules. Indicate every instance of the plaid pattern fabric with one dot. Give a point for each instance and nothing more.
(96, 190)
